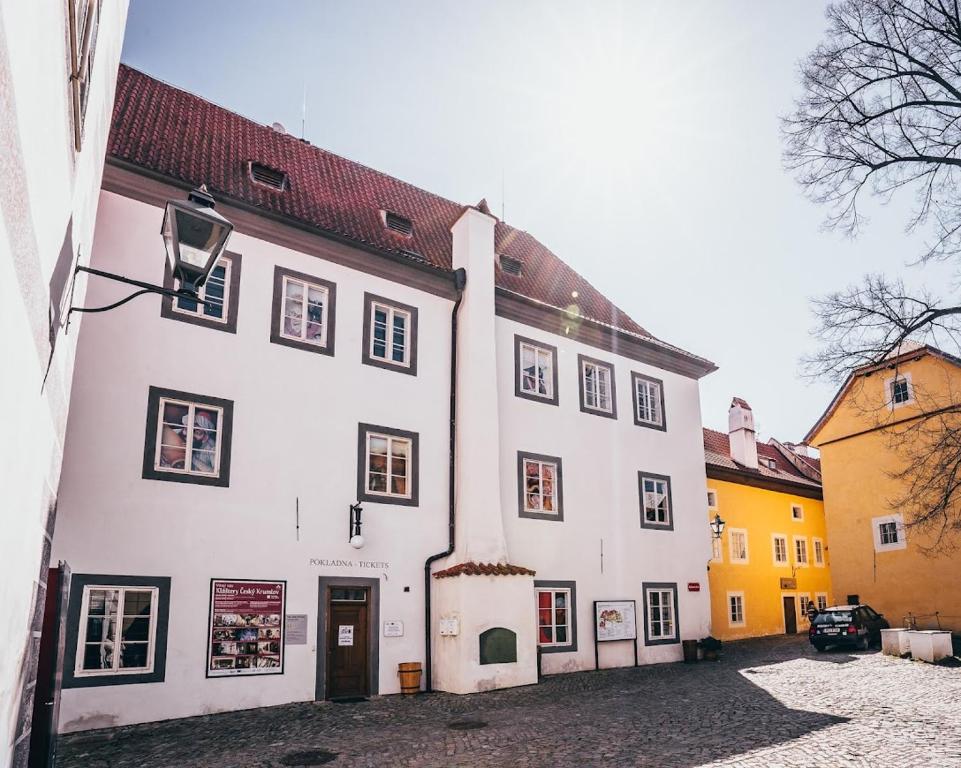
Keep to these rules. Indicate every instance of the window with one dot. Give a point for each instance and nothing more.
(780, 549)
(818, 552)
(737, 542)
(556, 616)
(597, 387)
(397, 223)
(711, 499)
(390, 334)
(822, 600)
(188, 438)
(535, 370)
(388, 461)
(655, 491)
(539, 481)
(717, 550)
(900, 389)
(648, 401)
(800, 551)
(268, 177)
(735, 609)
(888, 533)
(797, 512)
(116, 630)
(770, 463)
(303, 311)
(803, 601)
(220, 293)
(84, 21)
(660, 613)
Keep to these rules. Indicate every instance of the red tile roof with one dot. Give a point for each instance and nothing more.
(717, 452)
(167, 131)
(471, 568)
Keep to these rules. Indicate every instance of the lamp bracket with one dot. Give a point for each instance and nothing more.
(144, 289)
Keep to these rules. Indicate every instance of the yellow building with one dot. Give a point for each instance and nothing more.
(866, 436)
(772, 557)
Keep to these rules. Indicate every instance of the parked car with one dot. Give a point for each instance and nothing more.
(857, 626)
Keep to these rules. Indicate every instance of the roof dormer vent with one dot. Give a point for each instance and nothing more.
(511, 265)
(399, 224)
(268, 177)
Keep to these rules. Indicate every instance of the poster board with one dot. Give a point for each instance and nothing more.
(615, 620)
(246, 629)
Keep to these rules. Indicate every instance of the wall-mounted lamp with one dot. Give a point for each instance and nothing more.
(354, 536)
(717, 526)
(194, 235)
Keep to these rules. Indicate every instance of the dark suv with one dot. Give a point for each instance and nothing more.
(857, 626)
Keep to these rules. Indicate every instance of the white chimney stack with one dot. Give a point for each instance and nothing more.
(743, 439)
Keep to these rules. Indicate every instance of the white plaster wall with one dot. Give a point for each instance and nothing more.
(44, 184)
(601, 458)
(295, 434)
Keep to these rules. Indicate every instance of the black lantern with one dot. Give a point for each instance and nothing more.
(195, 236)
(717, 526)
(355, 538)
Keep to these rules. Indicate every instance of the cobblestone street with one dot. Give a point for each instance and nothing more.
(771, 702)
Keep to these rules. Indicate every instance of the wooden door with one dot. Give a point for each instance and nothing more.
(347, 648)
(790, 616)
(50, 661)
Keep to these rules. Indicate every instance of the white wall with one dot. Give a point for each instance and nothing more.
(295, 434)
(44, 184)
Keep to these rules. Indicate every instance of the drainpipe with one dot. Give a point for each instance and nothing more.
(460, 280)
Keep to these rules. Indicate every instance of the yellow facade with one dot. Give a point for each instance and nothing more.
(763, 515)
(858, 458)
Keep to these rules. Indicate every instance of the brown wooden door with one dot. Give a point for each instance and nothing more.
(50, 661)
(347, 649)
(790, 616)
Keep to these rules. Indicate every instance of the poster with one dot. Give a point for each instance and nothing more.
(615, 620)
(295, 629)
(246, 627)
(345, 634)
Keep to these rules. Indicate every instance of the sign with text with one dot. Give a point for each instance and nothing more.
(393, 629)
(788, 583)
(693, 586)
(246, 627)
(345, 634)
(615, 620)
(295, 629)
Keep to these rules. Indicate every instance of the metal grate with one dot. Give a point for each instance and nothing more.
(397, 223)
(309, 757)
(511, 265)
(269, 177)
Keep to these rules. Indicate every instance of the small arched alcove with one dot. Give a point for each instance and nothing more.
(498, 646)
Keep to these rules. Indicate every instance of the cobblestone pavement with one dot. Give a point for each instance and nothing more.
(771, 703)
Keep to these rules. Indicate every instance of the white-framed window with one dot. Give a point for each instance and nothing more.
(188, 438)
(770, 463)
(117, 632)
(711, 499)
(390, 334)
(889, 533)
(717, 550)
(655, 501)
(797, 512)
(304, 313)
(900, 391)
(779, 544)
(735, 609)
(388, 465)
(648, 401)
(215, 293)
(800, 551)
(818, 545)
(822, 600)
(661, 621)
(554, 617)
(536, 370)
(803, 601)
(541, 486)
(597, 388)
(737, 545)
(84, 22)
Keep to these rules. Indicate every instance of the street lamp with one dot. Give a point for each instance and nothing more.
(194, 235)
(717, 526)
(355, 538)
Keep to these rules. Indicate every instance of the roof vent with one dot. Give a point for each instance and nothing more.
(511, 265)
(397, 223)
(269, 177)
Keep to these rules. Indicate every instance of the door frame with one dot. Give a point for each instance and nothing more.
(793, 596)
(373, 631)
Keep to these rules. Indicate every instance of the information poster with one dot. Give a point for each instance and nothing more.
(615, 620)
(246, 627)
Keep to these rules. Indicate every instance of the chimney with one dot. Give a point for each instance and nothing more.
(740, 428)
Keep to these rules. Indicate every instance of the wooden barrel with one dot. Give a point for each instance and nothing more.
(409, 673)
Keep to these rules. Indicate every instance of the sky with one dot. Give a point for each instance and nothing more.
(637, 140)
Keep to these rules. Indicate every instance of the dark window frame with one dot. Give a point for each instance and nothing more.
(233, 299)
(366, 358)
(414, 462)
(669, 526)
(571, 612)
(654, 586)
(277, 305)
(518, 391)
(638, 421)
(558, 514)
(585, 408)
(74, 609)
(154, 396)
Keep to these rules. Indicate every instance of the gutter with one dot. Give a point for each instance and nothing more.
(460, 280)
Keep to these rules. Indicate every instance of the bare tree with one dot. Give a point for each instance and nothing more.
(880, 114)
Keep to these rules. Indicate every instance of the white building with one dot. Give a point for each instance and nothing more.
(58, 69)
(321, 375)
